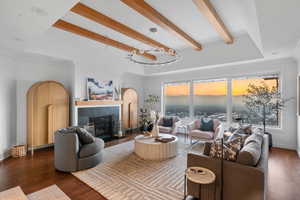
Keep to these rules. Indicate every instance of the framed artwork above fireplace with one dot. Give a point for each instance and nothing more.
(99, 90)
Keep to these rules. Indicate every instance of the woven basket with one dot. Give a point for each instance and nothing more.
(18, 151)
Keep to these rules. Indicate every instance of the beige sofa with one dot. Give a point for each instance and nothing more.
(241, 182)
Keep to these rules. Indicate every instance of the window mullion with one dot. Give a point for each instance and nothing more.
(229, 102)
(191, 99)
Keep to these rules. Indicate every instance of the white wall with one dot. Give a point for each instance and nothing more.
(32, 68)
(297, 56)
(7, 106)
(286, 137)
(107, 67)
(18, 72)
(110, 67)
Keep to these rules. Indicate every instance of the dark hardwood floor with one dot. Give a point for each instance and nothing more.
(284, 175)
(37, 172)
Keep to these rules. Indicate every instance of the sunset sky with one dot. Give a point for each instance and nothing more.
(214, 88)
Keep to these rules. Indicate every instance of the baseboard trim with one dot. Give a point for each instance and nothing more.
(40, 147)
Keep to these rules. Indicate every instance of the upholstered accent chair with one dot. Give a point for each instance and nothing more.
(195, 132)
(70, 154)
(168, 128)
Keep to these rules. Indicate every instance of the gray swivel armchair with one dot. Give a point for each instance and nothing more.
(71, 155)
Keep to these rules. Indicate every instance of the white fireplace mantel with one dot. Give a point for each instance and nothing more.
(95, 104)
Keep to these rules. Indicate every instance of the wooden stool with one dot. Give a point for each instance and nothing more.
(200, 176)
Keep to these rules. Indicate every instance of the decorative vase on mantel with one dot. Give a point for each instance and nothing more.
(117, 93)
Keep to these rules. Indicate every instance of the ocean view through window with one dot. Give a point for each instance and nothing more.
(176, 99)
(221, 99)
(239, 88)
(210, 99)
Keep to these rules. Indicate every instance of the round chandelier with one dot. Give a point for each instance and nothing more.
(163, 57)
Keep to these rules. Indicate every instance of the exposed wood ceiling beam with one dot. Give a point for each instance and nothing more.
(66, 26)
(209, 11)
(146, 10)
(104, 20)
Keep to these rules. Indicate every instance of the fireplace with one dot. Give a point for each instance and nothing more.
(101, 121)
(103, 126)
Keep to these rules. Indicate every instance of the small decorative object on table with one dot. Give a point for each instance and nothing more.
(164, 139)
(200, 176)
(18, 151)
(154, 117)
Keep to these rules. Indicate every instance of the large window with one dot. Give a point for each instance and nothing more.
(218, 99)
(239, 88)
(177, 99)
(210, 99)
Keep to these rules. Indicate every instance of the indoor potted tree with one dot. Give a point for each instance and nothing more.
(261, 100)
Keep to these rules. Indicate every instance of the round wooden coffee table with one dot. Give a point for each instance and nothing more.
(147, 148)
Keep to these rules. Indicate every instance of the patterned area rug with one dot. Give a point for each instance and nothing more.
(123, 175)
(50, 193)
(13, 194)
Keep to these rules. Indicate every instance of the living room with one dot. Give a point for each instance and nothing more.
(196, 67)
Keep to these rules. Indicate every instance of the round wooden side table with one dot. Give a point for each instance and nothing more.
(200, 176)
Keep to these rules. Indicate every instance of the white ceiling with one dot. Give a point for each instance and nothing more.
(279, 24)
(23, 20)
(260, 27)
(190, 20)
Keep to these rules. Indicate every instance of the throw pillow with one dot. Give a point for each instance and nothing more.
(168, 121)
(257, 138)
(250, 154)
(207, 125)
(230, 149)
(84, 136)
(238, 135)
